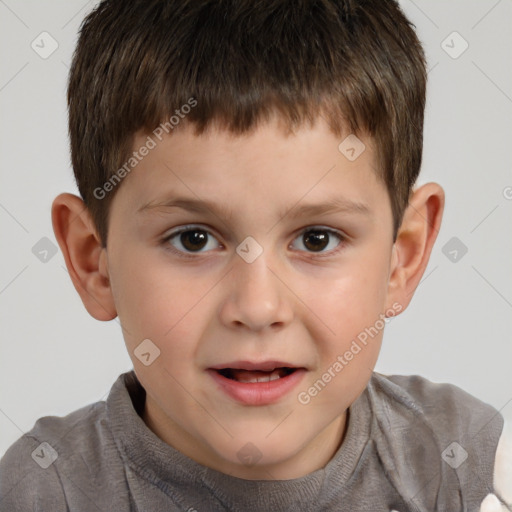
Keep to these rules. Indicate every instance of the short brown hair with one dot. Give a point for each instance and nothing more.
(356, 63)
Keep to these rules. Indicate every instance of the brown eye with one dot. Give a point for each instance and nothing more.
(317, 240)
(192, 240)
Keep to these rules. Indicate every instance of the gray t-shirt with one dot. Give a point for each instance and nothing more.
(411, 445)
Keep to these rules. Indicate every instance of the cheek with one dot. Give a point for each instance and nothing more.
(150, 296)
(349, 298)
(160, 302)
(348, 349)
(350, 305)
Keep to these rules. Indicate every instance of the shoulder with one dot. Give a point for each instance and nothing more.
(426, 392)
(447, 407)
(440, 433)
(33, 470)
(25, 485)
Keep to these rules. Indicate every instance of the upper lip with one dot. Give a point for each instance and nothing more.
(254, 365)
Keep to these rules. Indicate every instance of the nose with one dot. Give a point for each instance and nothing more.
(256, 298)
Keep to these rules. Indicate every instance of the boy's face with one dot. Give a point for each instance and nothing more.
(208, 299)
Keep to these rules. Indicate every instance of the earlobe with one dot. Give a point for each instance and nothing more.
(85, 258)
(414, 243)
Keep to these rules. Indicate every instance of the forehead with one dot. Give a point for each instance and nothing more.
(267, 163)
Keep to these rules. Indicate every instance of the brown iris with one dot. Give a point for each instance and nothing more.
(194, 239)
(316, 240)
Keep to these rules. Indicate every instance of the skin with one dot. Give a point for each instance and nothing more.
(292, 303)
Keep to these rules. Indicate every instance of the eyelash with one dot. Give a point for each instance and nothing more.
(170, 236)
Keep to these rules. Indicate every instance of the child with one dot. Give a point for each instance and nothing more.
(248, 211)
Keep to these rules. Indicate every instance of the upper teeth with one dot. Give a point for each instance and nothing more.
(263, 378)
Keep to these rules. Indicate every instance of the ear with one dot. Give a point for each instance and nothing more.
(85, 258)
(414, 242)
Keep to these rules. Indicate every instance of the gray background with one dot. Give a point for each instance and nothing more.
(55, 358)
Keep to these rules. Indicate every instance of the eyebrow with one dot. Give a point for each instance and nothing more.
(331, 205)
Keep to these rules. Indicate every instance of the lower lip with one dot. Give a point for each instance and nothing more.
(258, 393)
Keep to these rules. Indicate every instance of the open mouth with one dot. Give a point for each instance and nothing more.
(257, 383)
(251, 376)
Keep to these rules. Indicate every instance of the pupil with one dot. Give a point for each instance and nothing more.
(316, 240)
(193, 240)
